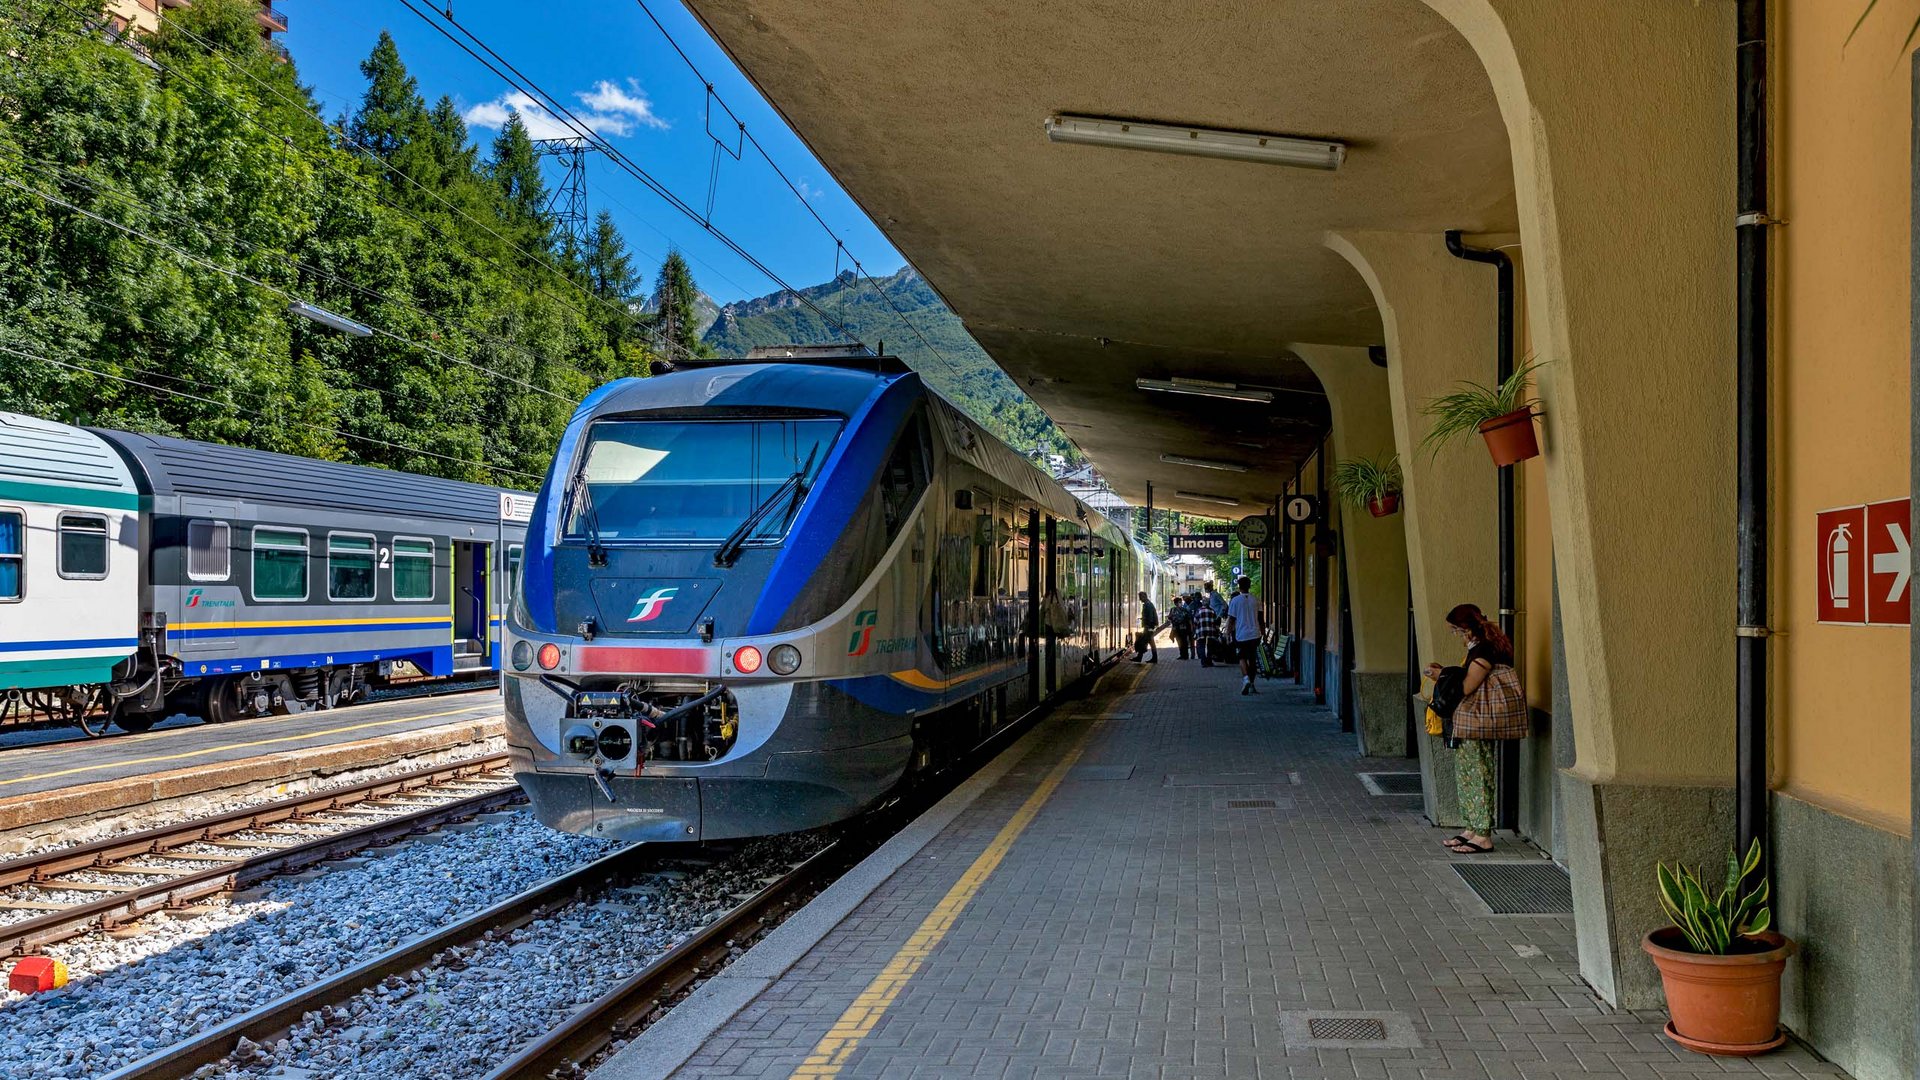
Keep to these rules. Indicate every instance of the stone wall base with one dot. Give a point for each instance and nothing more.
(1380, 713)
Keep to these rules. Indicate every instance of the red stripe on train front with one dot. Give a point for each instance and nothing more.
(645, 661)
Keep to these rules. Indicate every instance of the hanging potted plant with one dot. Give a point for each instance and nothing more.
(1719, 962)
(1369, 483)
(1501, 414)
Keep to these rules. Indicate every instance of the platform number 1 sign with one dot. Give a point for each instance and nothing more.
(1866, 564)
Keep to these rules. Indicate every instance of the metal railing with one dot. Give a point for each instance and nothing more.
(273, 17)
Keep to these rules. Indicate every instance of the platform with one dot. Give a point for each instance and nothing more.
(59, 780)
(1171, 880)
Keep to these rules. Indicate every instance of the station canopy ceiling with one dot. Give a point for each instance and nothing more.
(1082, 268)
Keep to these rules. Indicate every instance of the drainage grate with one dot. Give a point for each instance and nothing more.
(1519, 888)
(1392, 783)
(1100, 772)
(1231, 779)
(1252, 804)
(1346, 1028)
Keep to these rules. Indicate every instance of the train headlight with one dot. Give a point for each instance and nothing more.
(522, 655)
(746, 659)
(549, 656)
(783, 659)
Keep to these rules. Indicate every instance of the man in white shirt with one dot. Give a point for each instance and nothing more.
(1245, 625)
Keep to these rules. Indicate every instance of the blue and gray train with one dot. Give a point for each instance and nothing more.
(142, 575)
(758, 594)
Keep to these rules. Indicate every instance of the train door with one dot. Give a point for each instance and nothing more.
(1051, 607)
(1029, 567)
(209, 593)
(472, 636)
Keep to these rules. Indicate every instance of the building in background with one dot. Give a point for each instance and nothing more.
(143, 16)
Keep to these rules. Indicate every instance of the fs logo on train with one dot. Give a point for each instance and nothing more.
(649, 607)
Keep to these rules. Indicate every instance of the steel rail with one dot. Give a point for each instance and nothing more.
(642, 996)
(136, 901)
(261, 1025)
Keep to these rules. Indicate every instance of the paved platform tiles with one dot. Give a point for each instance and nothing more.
(1137, 927)
(42, 782)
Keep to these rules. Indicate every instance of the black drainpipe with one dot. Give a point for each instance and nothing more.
(1750, 229)
(1507, 814)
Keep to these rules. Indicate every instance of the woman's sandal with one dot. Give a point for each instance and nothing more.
(1450, 841)
(1462, 846)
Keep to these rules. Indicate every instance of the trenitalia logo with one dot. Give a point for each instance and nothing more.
(863, 631)
(195, 599)
(649, 607)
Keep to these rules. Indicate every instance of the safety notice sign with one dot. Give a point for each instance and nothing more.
(1866, 564)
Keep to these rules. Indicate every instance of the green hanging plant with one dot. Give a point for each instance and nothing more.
(1360, 481)
(1912, 31)
(1458, 415)
(1712, 923)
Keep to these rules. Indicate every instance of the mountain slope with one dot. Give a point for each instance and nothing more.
(968, 376)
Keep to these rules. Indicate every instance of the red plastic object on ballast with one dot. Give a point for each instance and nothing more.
(36, 973)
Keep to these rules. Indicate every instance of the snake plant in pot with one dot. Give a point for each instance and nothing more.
(1503, 415)
(1719, 961)
(1370, 483)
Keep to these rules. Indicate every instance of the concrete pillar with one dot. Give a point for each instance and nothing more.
(1437, 312)
(1620, 118)
(1375, 549)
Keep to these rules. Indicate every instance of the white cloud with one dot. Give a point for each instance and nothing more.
(607, 109)
(807, 191)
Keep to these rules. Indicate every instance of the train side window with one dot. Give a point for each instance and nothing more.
(514, 551)
(906, 474)
(412, 568)
(83, 546)
(209, 551)
(13, 555)
(350, 566)
(279, 564)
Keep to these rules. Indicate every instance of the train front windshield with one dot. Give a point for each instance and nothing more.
(695, 481)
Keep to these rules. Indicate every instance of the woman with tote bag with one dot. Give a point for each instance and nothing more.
(1493, 707)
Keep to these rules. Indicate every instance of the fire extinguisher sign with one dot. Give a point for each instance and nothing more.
(1866, 564)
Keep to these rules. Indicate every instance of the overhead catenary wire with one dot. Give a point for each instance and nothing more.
(240, 275)
(513, 77)
(24, 354)
(765, 155)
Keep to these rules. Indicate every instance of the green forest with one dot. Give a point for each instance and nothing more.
(167, 204)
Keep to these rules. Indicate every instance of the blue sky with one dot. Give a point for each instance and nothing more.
(606, 59)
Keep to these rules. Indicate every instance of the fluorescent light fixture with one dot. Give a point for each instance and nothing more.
(1205, 388)
(1204, 463)
(327, 318)
(1200, 142)
(1198, 496)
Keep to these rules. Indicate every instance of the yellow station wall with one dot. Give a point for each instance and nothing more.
(1841, 401)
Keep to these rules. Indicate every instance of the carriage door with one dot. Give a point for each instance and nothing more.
(471, 640)
(208, 586)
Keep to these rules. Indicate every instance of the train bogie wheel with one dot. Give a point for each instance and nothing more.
(134, 723)
(220, 701)
(339, 688)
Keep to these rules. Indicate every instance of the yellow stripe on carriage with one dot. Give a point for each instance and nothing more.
(918, 679)
(428, 619)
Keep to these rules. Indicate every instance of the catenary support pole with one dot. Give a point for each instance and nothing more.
(1507, 813)
(1750, 230)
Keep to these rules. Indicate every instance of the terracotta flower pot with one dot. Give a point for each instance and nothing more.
(1728, 1005)
(1383, 505)
(1510, 438)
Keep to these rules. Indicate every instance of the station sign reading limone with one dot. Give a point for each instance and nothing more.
(1866, 564)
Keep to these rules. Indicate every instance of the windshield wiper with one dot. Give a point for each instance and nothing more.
(795, 485)
(580, 496)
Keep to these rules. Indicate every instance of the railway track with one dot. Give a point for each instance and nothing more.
(133, 876)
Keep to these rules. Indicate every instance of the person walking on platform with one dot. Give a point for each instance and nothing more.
(1245, 625)
(1144, 649)
(1206, 629)
(1180, 617)
(1492, 707)
(1223, 647)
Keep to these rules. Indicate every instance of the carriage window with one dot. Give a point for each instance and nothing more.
(513, 566)
(412, 569)
(209, 550)
(83, 546)
(350, 573)
(279, 564)
(13, 554)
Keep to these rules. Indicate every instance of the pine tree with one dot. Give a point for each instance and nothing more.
(446, 142)
(610, 272)
(675, 321)
(392, 114)
(515, 169)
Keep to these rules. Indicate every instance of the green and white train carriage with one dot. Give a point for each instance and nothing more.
(69, 567)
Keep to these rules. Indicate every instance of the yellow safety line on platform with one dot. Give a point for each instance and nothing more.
(843, 1038)
(237, 746)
